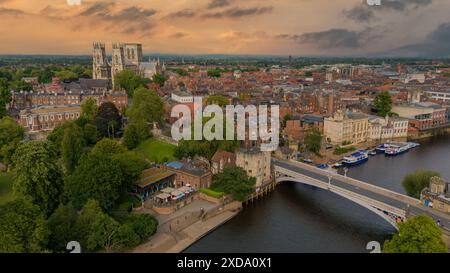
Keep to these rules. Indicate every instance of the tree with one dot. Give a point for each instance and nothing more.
(97, 230)
(66, 74)
(97, 177)
(159, 79)
(91, 134)
(313, 141)
(414, 183)
(57, 135)
(108, 120)
(5, 96)
(72, 147)
(83, 225)
(286, 118)
(135, 133)
(61, 225)
(419, 234)
(217, 99)
(383, 103)
(20, 85)
(235, 181)
(22, 227)
(38, 175)
(132, 166)
(144, 225)
(89, 109)
(214, 73)
(147, 107)
(129, 81)
(107, 147)
(11, 134)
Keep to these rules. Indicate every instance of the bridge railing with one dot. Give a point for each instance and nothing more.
(413, 202)
(343, 192)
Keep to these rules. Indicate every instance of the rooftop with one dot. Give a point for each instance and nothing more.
(151, 176)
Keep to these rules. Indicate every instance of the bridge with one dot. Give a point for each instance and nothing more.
(389, 205)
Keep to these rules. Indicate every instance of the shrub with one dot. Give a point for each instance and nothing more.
(212, 193)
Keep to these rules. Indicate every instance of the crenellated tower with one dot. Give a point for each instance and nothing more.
(101, 69)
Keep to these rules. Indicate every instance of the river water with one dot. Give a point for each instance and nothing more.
(301, 219)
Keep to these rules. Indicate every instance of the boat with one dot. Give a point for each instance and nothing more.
(413, 145)
(382, 148)
(356, 158)
(338, 165)
(399, 149)
(373, 153)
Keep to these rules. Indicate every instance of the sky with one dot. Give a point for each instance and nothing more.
(413, 28)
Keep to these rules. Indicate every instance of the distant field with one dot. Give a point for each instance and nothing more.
(5, 188)
(156, 151)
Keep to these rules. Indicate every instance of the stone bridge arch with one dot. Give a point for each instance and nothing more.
(386, 212)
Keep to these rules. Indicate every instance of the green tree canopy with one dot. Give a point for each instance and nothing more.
(37, 174)
(66, 74)
(61, 225)
(11, 134)
(313, 141)
(415, 182)
(144, 225)
(217, 99)
(97, 230)
(383, 103)
(135, 133)
(129, 81)
(97, 177)
(72, 145)
(235, 181)
(107, 147)
(5, 96)
(419, 234)
(91, 134)
(89, 109)
(147, 107)
(108, 120)
(159, 79)
(22, 227)
(131, 165)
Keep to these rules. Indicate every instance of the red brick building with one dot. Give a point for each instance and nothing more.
(47, 118)
(190, 174)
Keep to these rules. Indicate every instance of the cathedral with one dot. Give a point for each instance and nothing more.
(124, 57)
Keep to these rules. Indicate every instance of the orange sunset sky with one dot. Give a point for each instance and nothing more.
(296, 27)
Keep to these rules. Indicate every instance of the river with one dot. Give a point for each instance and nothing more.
(301, 219)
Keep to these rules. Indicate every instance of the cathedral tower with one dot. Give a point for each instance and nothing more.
(100, 69)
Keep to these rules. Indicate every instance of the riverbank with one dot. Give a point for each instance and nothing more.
(179, 233)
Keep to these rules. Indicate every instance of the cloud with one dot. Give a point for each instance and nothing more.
(239, 12)
(178, 35)
(185, 13)
(124, 19)
(434, 45)
(11, 12)
(365, 13)
(333, 38)
(218, 4)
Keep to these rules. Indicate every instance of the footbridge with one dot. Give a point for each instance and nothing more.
(389, 205)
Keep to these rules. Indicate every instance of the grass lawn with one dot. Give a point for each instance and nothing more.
(156, 151)
(6, 182)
